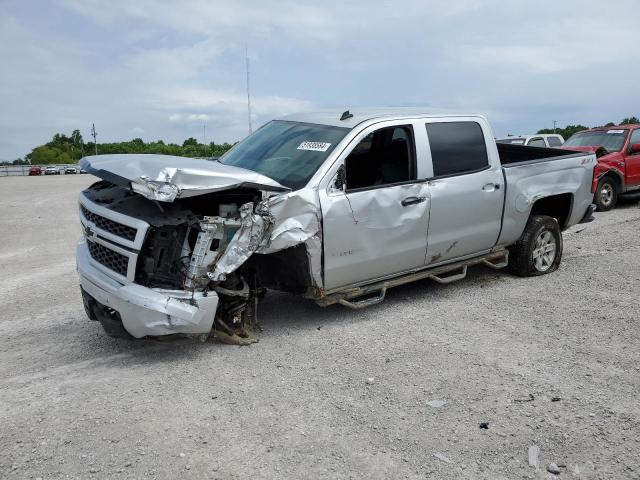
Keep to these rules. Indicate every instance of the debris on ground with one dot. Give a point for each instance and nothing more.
(370, 381)
(530, 398)
(484, 425)
(441, 457)
(553, 468)
(555, 399)
(533, 456)
(436, 403)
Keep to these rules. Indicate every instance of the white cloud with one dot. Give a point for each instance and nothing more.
(166, 68)
(225, 102)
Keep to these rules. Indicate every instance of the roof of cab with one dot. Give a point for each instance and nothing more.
(332, 117)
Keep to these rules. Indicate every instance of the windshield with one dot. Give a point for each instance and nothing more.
(287, 152)
(611, 139)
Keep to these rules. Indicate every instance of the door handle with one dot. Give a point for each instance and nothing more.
(412, 201)
(490, 187)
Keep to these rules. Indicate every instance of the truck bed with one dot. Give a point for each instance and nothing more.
(559, 176)
(517, 154)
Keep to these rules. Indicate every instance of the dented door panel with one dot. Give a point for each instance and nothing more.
(370, 234)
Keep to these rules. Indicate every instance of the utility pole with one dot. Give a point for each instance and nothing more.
(204, 134)
(94, 135)
(246, 57)
(555, 130)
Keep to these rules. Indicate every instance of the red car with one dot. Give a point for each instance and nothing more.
(33, 171)
(618, 152)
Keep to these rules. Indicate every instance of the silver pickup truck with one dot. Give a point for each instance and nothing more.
(335, 207)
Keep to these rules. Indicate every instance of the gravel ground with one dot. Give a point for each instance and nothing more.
(326, 393)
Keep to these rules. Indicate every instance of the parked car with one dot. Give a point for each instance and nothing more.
(618, 152)
(51, 171)
(336, 208)
(35, 170)
(551, 140)
(70, 170)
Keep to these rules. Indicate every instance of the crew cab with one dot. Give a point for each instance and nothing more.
(551, 140)
(618, 152)
(334, 207)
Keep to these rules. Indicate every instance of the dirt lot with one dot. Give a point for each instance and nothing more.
(326, 393)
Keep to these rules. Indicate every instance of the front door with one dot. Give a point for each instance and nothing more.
(376, 225)
(632, 161)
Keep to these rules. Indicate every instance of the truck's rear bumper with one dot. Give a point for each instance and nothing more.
(588, 215)
(145, 311)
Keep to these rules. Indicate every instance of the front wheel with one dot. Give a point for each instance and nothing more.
(539, 249)
(606, 195)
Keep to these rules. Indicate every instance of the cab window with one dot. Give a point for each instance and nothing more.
(384, 157)
(457, 148)
(537, 142)
(554, 141)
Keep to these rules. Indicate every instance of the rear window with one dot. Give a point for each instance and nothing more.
(287, 152)
(457, 148)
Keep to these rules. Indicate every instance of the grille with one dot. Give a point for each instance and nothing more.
(115, 228)
(107, 257)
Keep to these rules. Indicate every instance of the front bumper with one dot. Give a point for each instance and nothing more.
(146, 311)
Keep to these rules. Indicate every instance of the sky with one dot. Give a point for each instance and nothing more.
(157, 69)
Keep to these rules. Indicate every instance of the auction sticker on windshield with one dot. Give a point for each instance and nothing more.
(315, 146)
(615, 131)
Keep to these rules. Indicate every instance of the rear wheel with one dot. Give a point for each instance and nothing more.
(606, 195)
(539, 249)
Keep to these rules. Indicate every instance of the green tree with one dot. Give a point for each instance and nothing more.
(64, 149)
(566, 132)
(630, 121)
(46, 155)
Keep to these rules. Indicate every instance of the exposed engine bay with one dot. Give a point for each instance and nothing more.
(227, 242)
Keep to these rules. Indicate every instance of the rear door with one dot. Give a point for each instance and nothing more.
(467, 190)
(632, 161)
(376, 225)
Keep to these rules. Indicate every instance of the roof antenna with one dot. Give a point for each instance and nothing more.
(346, 115)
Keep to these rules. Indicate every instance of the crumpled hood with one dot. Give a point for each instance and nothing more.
(166, 177)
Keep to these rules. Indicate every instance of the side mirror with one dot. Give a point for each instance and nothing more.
(635, 148)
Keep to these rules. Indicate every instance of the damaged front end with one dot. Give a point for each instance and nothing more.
(191, 250)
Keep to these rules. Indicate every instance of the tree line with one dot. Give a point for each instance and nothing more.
(63, 149)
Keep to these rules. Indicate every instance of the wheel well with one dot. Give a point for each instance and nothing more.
(616, 178)
(556, 206)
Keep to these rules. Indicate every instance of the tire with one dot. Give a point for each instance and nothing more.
(539, 249)
(606, 195)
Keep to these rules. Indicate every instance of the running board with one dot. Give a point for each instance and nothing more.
(498, 263)
(367, 302)
(349, 295)
(450, 278)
